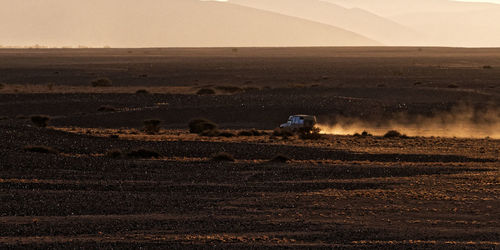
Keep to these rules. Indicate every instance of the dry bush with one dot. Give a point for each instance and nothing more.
(40, 120)
(365, 134)
(394, 134)
(280, 158)
(251, 132)
(101, 82)
(206, 91)
(143, 154)
(106, 108)
(142, 92)
(226, 134)
(210, 133)
(222, 156)
(40, 149)
(229, 89)
(199, 125)
(152, 126)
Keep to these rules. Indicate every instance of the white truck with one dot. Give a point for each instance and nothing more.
(300, 121)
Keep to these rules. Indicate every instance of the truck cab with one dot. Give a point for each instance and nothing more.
(300, 121)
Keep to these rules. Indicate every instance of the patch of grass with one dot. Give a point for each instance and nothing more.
(280, 158)
(40, 120)
(106, 108)
(143, 154)
(114, 153)
(152, 126)
(199, 125)
(223, 156)
(101, 82)
(206, 91)
(142, 92)
(40, 149)
(394, 134)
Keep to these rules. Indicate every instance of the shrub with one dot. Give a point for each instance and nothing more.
(452, 86)
(210, 133)
(2, 85)
(229, 89)
(280, 158)
(252, 132)
(143, 154)
(366, 134)
(394, 134)
(487, 67)
(142, 92)
(101, 82)
(310, 134)
(222, 156)
(40, 149)
(206, 91)
(226, 134)
(40, 120)
(115, 153)
(198, 125)
(106, 108)
(152, 126)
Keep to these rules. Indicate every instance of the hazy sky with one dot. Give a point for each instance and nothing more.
(195, 23)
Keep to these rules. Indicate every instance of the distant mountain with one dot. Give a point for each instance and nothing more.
(389, 8)
(161, 23)
(355, 19)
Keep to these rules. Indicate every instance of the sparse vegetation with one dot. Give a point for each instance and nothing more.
(251, 132)
(143, 154)
(152, 126)
(40, 120)
(102, 82)
(280, 158)
(142, 92)
(206, 91)
(106, 108)
(223, 156)
(394, 134)
(40, 149)
(226, 134)
(229, 89)
(199, 125)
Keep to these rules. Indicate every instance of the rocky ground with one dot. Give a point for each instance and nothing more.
(339, 191)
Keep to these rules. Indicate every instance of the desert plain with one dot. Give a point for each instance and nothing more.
(93, 177)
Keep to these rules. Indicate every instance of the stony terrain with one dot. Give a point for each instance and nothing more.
(339, 191)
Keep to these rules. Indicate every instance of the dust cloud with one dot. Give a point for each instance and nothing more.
(462, 121)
